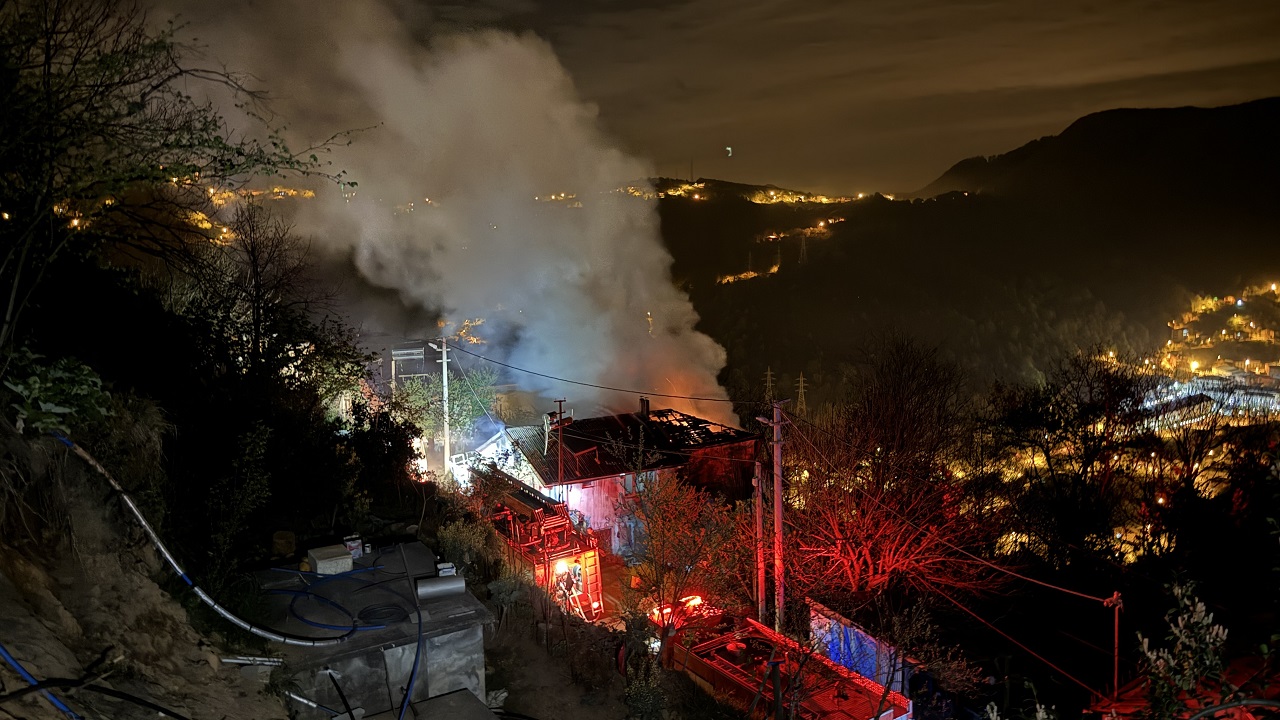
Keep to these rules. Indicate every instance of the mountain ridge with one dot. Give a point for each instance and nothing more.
(1108, 151)
(1097, 235)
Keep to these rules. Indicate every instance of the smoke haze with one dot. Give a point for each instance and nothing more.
(468, 137)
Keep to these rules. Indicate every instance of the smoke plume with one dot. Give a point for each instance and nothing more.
(470, 140)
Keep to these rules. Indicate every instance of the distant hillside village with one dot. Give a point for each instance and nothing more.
(1227, 346)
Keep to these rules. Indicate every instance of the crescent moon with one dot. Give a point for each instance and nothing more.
(726, 147)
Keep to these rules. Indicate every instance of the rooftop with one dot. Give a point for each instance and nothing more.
(618, 444)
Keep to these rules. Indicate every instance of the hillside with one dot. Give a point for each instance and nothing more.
(1097, 235)
(1227, 153)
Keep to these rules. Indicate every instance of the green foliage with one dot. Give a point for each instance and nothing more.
(691, 702)
(384, 446)
(510, 587)
(588, 650)
(1190, 665)
(48, 397)
(1037, 712)
(470, 545)
(645, 696)
(420, 401)
(257, 293)
(354, 501)
(1079, 439)
(510, 592)
(130, 441)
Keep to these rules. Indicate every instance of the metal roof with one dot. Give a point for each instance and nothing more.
(619, 444)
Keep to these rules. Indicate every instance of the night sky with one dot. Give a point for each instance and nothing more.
(842, 96)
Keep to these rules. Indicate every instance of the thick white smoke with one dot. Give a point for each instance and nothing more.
(488, 126)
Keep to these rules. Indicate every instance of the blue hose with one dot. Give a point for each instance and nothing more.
(348, 575)
(353, 627)
(413, 674)
(31, 680)
(417, 651)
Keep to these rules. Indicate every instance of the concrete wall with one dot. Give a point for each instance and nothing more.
(455, 662)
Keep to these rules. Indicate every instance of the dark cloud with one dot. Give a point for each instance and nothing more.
(842, 96)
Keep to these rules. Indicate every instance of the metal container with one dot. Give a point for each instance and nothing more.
(431, 588)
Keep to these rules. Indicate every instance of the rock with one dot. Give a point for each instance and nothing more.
(283, 544)
(495, 698)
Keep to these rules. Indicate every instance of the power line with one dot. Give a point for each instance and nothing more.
(602, 387)
(1008, 637)
(941, 539)
(467, 381)
(634, 446)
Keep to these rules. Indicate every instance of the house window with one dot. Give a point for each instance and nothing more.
(633, 483)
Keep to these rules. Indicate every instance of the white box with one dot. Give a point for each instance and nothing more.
(330, 559)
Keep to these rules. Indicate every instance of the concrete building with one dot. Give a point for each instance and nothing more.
(409, 631)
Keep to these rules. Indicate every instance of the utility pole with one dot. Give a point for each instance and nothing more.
(1114, 602)
(780, 604)
(759, 542)
(444, 372)
(560, 442)
(779, 596)
(768, 385)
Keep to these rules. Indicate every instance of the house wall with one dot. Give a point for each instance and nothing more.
(597, 501)
(600, 500)
(725, 469)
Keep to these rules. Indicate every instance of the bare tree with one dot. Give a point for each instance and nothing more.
(257, 289)
(685, 530)
(878, 507)
(1081, 440)
(101, 146)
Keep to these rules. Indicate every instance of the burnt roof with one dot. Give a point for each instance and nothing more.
(608, 446)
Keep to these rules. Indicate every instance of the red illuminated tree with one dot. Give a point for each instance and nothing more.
(881, 501)
(868, 542)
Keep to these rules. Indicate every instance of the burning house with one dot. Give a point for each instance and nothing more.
(591, 464)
